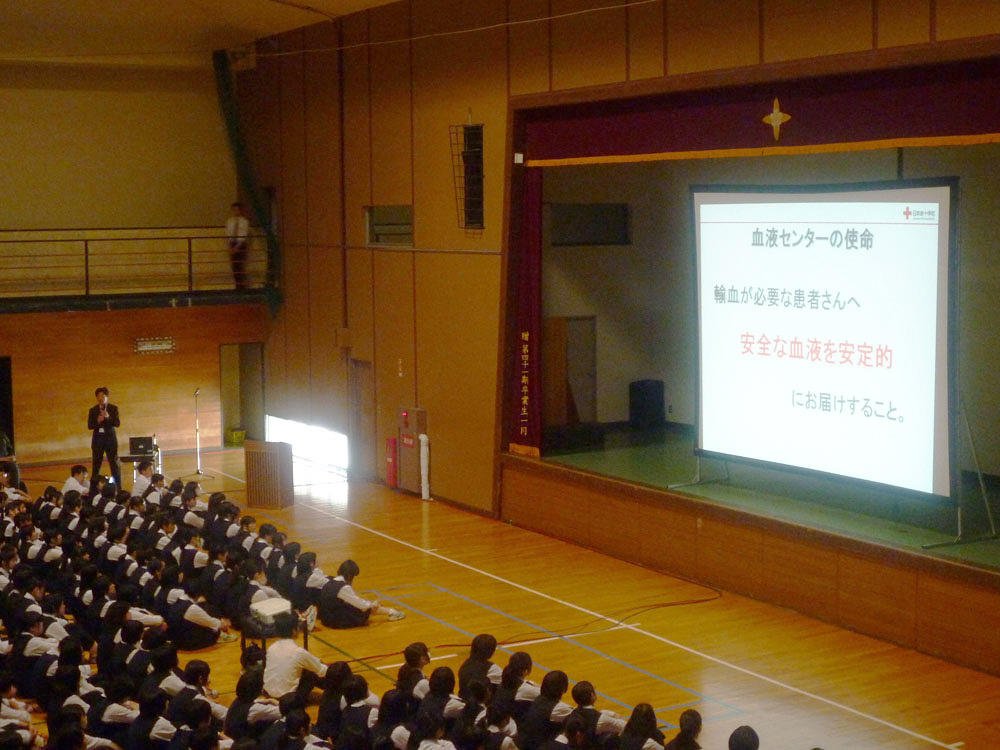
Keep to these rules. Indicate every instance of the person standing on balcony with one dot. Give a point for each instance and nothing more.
(103, 419)
(237, 233)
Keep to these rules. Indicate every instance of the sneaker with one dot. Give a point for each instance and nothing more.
(395, 614)
(227, 637)
(310, 617)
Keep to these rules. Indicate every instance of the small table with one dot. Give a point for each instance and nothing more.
(139, 457)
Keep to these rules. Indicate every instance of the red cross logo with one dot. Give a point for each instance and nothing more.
(907, 213)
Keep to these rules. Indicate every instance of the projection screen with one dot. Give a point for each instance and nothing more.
(824, 317)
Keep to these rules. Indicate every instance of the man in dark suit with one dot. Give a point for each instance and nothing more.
(103, 419)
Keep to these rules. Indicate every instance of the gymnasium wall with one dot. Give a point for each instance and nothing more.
(335, 133)
(94, 146)
(58, 359)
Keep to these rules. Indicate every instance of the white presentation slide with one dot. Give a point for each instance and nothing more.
(823, 330)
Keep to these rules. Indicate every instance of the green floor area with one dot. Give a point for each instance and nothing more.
(665, 459)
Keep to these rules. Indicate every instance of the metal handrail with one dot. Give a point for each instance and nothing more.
(94, 264)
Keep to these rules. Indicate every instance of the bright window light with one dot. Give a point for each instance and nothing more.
(313, 448)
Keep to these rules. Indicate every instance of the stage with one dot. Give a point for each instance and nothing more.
(665, 458)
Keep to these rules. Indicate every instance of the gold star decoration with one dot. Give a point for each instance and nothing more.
(776, 118)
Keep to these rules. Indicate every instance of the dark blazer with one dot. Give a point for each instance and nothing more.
(109, 424)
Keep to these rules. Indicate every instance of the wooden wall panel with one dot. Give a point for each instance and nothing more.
(391, 105)
(711, 36)
(730, 556)
(528, 47)
(958, 623)
(456, 370)
(328, 402)
(645, 41)
(793, 29)
(322, 134)
(395, 377)
(801, 575)
(878, 599)
(154, 392)
(275, 389)
(360, 303)
(667, 540)
(588, 49)
(357, 133)
(892, 596)
(292, 194)
(297, 344)
(260, 114)
(903, 22)
(966, 18)
(563, 513)
(442, 99)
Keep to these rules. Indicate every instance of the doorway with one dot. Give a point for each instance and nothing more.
(362, 426)
(241, 368)
(6, 399)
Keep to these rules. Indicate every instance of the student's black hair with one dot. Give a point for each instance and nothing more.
(583, 693)
(190, 490)
(250, 685)
(6, 681)
(442, 681)
(252, 657)
(163, 658)
(246, 521)
(305, 563)
(67, 737)
(483, 647)
(428, 726)
(119, 688)
(131, 632)
(77, 469)
(117, 532)
(248, 568)
(284, 624)
(267, 530)
(642, 722)
(690, 724)
(8, 552)
(475, 692)
(744, 738)
(196, 672)
(198, 713)
(143, 465)
(152, 701)
(575, 726)
(348, 569)
(554, 684)
(392, 709)
(296, 723)
(498, 713)
(355, 689)
(290, 702)
(71, 651)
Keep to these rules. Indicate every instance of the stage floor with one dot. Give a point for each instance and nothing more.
(665, 459)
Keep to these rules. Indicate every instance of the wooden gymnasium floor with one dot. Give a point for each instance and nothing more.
(799, 682)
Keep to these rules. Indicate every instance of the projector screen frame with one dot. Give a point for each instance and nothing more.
(952, 342)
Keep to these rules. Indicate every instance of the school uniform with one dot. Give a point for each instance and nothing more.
(340, 607)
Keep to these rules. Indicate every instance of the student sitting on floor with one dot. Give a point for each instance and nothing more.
(687, 737)
(479, 667)
(599, 725)
(341, 607)
(289, 667)
(77, 480)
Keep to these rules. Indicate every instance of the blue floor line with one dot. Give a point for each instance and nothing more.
(539, 628)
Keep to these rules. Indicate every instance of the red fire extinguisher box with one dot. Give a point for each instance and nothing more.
(390, 462)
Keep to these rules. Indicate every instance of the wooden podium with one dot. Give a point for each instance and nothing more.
(269, 474)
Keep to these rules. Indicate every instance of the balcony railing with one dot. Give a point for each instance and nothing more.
(92, 262)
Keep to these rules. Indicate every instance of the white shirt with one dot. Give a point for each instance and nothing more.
(349, 596)
(237, 227)
(73, 484)
(140, 485)
(285, 663)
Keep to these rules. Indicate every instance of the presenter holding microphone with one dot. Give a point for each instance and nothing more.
(103, 419)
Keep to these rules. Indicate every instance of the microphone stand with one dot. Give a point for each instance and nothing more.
(197, 441)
